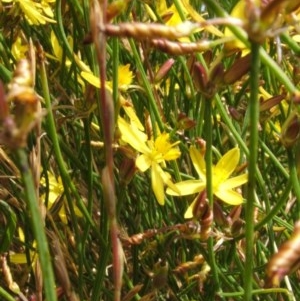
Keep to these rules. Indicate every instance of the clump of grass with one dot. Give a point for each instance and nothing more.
(147, 152)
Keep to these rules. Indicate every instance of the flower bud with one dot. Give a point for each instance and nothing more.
(291, 130)
(270, 103)
(217, 73)
(163, 70)
(127, 170)
(238, 69)
(184, 122)
(200, 77)
(235, 114)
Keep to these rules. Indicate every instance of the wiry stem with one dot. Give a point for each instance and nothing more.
(253, 150)
(107, 116)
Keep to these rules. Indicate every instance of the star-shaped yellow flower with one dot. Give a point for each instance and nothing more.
(223, 186)
(125, 77)
(154, 153)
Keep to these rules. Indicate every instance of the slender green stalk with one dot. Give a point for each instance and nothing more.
(261, 292)
(66, 179)
(209, 188)
(294, 179)
(5, 295)
(147, 86)
(37, 225)
(253, 150)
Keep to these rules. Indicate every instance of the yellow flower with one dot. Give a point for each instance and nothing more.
(125, 77)
(21, 258)
(171, 17)
(18, 49)
(57, 50)
(153, 154)
(56, 189)
(222, 185)
(36, 13)
(170, 14)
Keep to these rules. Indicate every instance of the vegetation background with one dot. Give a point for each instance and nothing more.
(149, 150)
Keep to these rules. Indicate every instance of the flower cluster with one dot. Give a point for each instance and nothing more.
(36, 13)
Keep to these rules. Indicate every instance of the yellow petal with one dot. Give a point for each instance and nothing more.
(55, 45)
(129, 110)
(187, 187)
(189, 212)
(234, 182)
(143, 162)
(172, 154)
(198, 18)
(91, 78)
(198, 162)
(230, 197)
(125, 76)
(227, 164)
(167, 180)
(62, 214)
(133, 136)
(18, 258)
(157, 184)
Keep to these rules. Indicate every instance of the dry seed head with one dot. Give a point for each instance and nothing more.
(186, 266)
(290, 132)
(179, 48)
(286, 260)
(142, 31)
(24, 113)
(20, 89)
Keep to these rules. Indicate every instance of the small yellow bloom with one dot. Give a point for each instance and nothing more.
(153, 154)
(36, 13)
(170, 14)
(57, 50)
(56, 189)
(18, 49)
(222, 185)
(125, 77)
(20, 258)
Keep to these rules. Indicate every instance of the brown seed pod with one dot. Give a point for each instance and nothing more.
(188, 265)
(204, 214)
(144, 31)
(286, 260)
(180, 48)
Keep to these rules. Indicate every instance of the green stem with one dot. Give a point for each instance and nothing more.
(209, 188)
(253, 150)
(147, 86)
(37, 225)
(260, 292)
(5, 295)
(52, 132)
(294, 178)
